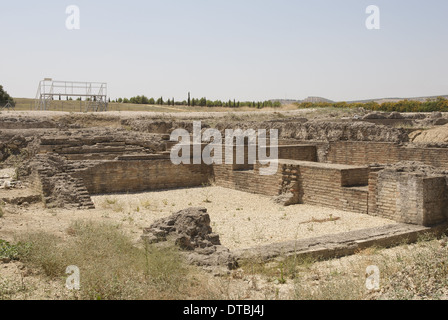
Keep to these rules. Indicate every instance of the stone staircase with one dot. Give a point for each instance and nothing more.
(59, 187)
(82, 194)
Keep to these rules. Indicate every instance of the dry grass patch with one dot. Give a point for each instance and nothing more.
(415, 271)
(113, 204)
(111, 266)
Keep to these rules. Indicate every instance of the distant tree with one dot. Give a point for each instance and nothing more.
(189, 99)
(144, 100)
(4, 96)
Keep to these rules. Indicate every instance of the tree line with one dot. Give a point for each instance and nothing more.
(199, 102)
(430, 105)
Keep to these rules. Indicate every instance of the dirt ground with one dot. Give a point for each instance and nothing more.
(242, 220)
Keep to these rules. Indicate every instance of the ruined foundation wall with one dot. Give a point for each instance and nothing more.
(298, 152)
(327, 185)
(435, 200)
(247, 180)
(362, 153)
(408, 198)
(143, 175)
(245, 177)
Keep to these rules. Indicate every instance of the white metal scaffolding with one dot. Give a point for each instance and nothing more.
(94, 94)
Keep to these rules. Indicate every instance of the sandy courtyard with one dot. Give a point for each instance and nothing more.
(243, 220)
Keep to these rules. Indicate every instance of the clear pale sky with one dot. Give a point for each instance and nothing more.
(225, 49)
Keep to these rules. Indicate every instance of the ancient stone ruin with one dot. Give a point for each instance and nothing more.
(354, 166)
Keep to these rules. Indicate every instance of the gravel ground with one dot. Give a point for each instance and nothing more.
(243, 220)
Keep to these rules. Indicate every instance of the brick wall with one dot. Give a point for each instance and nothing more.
(298, 152)
(435, 200)
(364, 153)
(355, 199)
(329, 185)
(247, 180)
(408, 197)
(321, 184)
(142, 175)
(246, 177)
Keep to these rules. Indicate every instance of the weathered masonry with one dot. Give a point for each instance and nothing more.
(347, 181)
(353, 176)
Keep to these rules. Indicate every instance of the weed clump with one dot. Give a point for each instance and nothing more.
(111, 266)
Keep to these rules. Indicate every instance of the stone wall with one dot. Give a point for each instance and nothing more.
(247, 180)
(103, 144)
(142, 175)
(328, 185)
(342, 181)
(408, 197)
(51, 176)
(435, 200)
(246, 177)
(364, 153)
(298, 152)
(336, 186)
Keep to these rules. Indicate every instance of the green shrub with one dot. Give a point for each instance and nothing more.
(10, 251)
(431, 105)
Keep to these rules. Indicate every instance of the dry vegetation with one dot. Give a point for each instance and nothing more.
(112, 267)
(408, 272)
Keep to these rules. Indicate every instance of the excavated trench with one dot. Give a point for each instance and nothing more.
(70, 158)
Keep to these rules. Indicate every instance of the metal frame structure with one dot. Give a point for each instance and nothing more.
(93, 93)
(7, 105)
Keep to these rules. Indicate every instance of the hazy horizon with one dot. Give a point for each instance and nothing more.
(251, 50)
